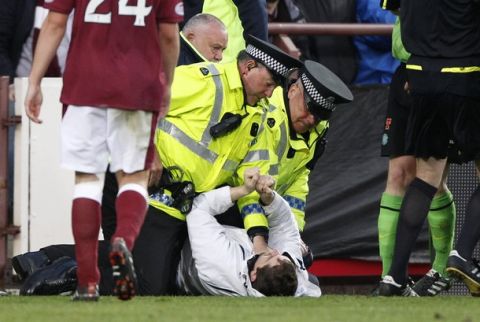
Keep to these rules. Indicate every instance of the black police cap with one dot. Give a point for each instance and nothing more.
(323, 87)
(271, 56)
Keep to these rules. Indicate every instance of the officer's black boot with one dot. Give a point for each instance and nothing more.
(25, 264)
(60, 277)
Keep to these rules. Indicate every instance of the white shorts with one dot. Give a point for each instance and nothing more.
(93, 137)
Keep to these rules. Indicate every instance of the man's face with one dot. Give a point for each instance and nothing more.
(210, 40)
(302, 119)
(258, 82)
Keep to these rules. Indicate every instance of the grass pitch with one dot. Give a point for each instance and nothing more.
(228, 309)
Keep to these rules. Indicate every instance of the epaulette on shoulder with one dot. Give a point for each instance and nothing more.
(204, 70)
(209, 70)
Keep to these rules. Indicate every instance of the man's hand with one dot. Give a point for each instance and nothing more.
(33, 103)
(155, 171)
(250, 178)
(11, 92)
(165, 103)
(264, 187)
(51, 35)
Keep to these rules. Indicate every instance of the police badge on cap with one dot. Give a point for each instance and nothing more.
(271, 56)
(323, 89)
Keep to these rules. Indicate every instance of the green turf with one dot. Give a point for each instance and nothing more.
(227, 309)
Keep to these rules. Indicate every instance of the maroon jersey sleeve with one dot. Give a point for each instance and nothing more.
(170, 11)
(62, 6)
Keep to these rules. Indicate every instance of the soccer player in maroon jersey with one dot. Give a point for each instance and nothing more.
(116, 85)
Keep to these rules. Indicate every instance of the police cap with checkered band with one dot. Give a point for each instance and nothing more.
(323, 89)
(277, 61)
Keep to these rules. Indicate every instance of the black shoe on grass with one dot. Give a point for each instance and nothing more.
(28, 263)
(376, 290)
(467, 271)
(431, 284)
(388, 287)
(124, 277)
(58, 278)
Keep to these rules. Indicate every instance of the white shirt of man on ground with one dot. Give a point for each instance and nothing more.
(221, 260)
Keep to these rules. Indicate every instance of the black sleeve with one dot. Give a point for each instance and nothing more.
(258, 231)
(253, 15)
(191, 8)
(390, 4)
(7, 31)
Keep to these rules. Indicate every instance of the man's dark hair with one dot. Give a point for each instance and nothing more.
(279, 280)
(292, 78)
(244, 56)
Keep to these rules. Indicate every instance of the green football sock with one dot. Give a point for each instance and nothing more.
(387, 228)
(441, 220)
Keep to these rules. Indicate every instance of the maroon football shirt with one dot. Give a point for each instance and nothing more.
(114, 55)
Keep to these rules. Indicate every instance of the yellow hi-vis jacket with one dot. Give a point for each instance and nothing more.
(201, 94)
(289, 156)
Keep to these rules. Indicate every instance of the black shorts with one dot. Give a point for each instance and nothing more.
(439, 120)
(398, 109)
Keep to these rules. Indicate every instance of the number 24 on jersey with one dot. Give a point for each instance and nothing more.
(140, 11)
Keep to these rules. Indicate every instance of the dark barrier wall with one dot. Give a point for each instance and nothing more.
(348, 180)
(462, 182)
